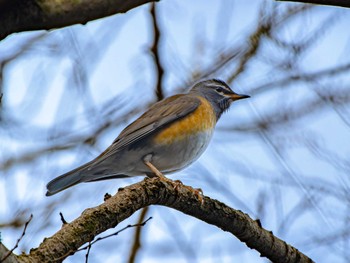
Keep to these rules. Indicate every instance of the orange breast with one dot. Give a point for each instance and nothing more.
(202, 119)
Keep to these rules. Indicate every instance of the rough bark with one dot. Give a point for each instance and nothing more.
(94, 221)
(18, 15)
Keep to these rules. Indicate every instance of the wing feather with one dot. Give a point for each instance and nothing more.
(170, 109)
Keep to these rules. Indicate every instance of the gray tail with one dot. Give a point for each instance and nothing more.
(66, 180)
(85, 173)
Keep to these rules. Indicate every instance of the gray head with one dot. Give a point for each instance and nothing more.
(218, 93)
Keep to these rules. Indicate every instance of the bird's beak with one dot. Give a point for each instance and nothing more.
(235, 96)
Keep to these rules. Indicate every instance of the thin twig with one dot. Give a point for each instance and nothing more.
(88, 247)
(116, 233)
(263, 29)
(18, 240)
(88, 253)
(62, 219)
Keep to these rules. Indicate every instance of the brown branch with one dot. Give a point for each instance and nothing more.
(168, 193)
(137, 237)
(157, 53)
(342, 3)
(268, 23)
(305, 108)
(302, 77)
(18, 16)
(263, 29)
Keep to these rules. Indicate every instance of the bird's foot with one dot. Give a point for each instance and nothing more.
(196, 191)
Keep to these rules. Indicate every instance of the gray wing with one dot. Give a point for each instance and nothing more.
(160, 114)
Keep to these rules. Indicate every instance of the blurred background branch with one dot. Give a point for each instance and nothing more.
(159, 72)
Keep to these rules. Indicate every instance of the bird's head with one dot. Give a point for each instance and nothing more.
(218, 93)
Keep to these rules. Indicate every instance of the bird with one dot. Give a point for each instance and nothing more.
(167, 138)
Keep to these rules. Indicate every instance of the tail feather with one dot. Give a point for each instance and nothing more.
(66, 180)
(85, 173)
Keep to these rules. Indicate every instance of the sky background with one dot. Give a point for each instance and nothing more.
(61, 86)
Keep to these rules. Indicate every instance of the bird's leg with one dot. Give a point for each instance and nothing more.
(147, 161)
(154, 169)
(155, 172)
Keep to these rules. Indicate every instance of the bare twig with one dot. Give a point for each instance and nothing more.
(88, 247)
(18, 240)
(90, 243)
(88, 253)
(263, 28)
(302, 77)
(62, 219)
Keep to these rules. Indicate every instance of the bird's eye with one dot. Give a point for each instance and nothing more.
(219, 90)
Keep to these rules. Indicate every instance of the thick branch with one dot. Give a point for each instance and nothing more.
(342, 3)
(164, 192)
(18, 15)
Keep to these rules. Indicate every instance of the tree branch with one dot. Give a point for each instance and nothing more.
(342, 3)
(137, 236)
(17, 16)
(94, 221)
(155, 49)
